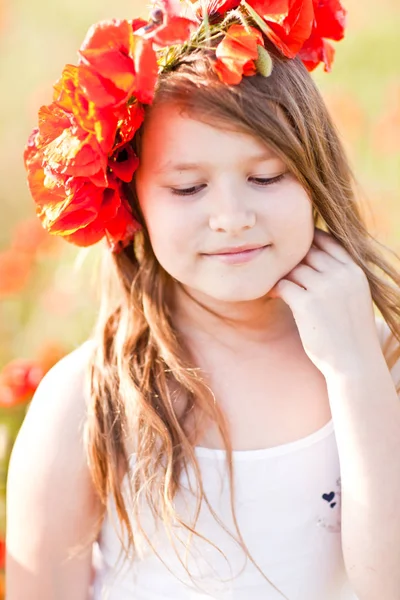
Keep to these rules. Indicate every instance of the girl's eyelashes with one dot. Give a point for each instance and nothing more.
(187, 191)
(257, 180)
(267, 181)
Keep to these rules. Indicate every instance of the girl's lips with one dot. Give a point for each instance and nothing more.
(236, 258)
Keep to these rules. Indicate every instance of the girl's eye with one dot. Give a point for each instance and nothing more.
(191, 191)
(187, 191)
(269, 181)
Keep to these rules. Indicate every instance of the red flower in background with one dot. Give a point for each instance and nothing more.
(29, 237)
(2, 554)
(15, 270)
(18, 381)
(237, 52)
(17, 262)
(329, 22)
(20, 378)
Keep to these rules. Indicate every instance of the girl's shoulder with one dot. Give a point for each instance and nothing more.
(64, 386)
(49, 486)
(58, 409)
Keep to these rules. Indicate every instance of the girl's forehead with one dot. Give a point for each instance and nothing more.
(173, 133)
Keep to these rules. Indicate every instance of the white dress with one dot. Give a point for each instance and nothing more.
(288, 506)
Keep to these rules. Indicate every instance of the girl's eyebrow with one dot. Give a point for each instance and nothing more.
(168, 167)
(191, 166)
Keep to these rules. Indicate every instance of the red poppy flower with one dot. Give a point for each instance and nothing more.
(118, 230)
(66, 148)
(315, 51)
(116, 57)
(236, 53)
(288, 23)
(20, 378)
(167, 26)
(110, 127)
(85, 207)
(81, 208)
(330, 19)
(329, 22)
(70, 94)
(92, 213)
(107, 50)
(18, 381)
(121, 230)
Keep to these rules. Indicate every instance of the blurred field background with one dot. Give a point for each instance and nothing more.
(48, 296)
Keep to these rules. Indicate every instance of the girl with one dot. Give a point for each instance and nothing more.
(232, 428)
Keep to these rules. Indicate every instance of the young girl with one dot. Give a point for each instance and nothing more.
(232, 428)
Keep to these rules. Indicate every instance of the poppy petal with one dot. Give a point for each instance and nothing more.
(121, 230)
(146, 68)
(176, 31)
(330, 19)
(317, 50)
(290, 33)
(113, 34)
(129, 121)
(236, 52)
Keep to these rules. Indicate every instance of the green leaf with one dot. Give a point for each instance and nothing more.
(256, 18)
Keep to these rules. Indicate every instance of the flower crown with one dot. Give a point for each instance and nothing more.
(80, 154)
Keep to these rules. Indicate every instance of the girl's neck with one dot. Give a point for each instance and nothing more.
(234, 325)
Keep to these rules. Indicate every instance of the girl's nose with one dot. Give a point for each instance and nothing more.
(231, 216)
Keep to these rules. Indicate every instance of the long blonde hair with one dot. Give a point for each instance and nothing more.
(140, 365)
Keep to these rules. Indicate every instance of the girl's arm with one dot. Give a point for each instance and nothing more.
(366, 411)
(51, 504)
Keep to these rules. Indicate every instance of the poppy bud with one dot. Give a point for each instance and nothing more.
(263, 62)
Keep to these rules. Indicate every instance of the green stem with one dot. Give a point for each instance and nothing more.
(256, 17)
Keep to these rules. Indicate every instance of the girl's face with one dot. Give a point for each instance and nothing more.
(206, 191)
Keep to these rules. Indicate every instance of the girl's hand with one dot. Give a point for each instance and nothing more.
(330, 298)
